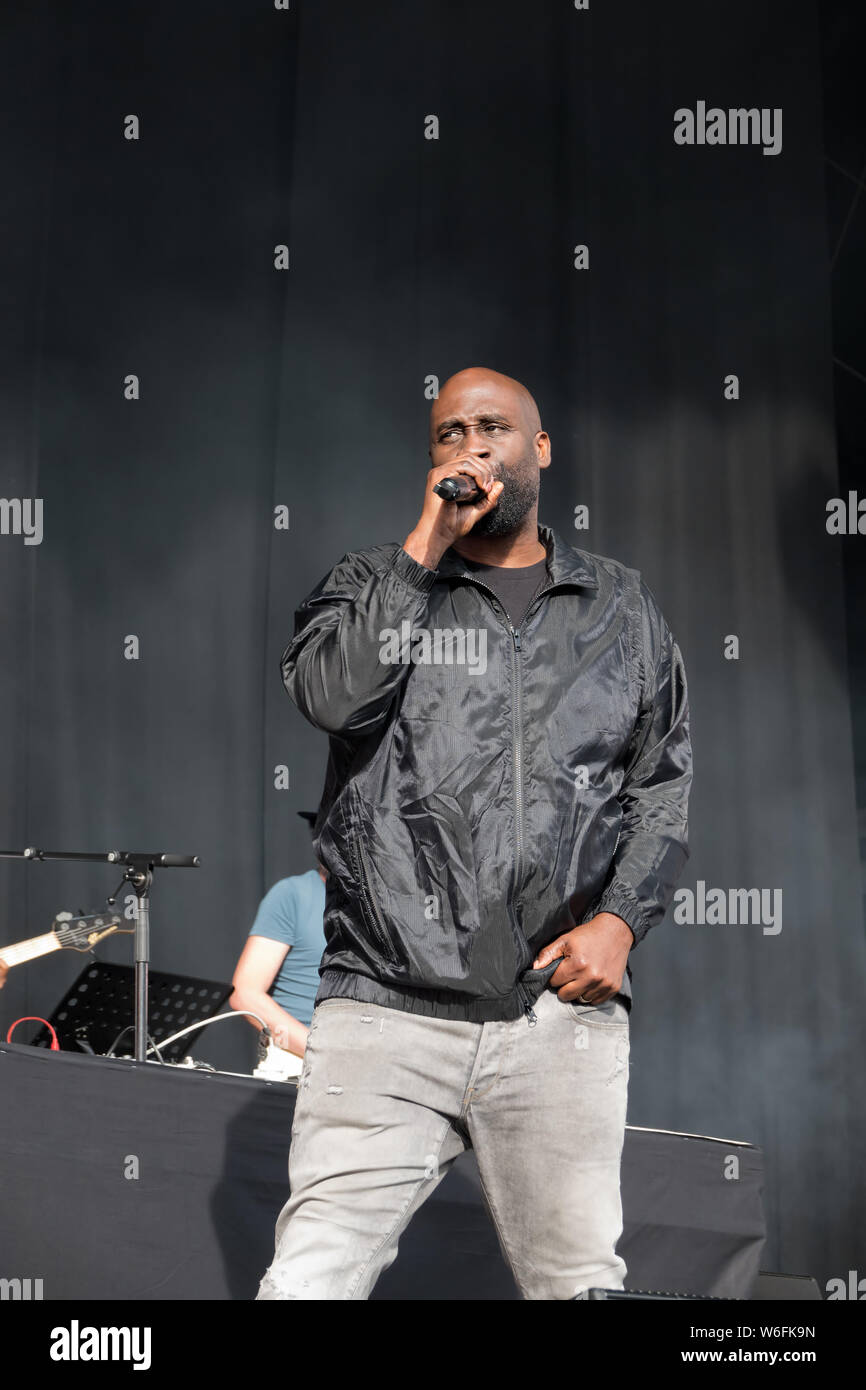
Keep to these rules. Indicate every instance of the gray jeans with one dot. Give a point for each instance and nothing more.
(387, 1100)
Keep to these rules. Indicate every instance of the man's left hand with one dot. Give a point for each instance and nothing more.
(593, 960)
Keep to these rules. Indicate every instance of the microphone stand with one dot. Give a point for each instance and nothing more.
(139, 872)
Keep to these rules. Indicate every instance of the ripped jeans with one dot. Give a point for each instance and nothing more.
(387, 1100)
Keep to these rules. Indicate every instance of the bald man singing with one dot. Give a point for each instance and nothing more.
(503, 820)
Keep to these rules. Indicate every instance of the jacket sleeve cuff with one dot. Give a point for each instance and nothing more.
(412, 572)
(622, 903)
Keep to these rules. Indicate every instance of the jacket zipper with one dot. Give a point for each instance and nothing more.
(373, 917)
(531, 1016)
(517, 756)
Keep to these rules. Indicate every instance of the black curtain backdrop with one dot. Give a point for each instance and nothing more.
(410, 258)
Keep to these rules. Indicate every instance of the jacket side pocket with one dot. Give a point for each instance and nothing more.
(369, 906)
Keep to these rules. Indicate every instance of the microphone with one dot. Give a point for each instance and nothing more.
(459, 489)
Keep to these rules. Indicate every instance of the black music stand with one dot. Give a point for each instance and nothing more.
(100, 1006)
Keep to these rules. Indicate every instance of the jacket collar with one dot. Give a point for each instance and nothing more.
(565, 564)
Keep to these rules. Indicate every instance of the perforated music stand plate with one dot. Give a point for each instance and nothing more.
(101, 1004)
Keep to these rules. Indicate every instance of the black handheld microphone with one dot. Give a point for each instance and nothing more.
(460, 489)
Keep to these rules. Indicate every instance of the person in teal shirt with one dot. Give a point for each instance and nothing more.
(277, 975)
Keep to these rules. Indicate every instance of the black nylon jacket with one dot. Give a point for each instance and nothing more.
(476, 808)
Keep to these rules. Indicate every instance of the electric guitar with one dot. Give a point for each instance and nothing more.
(67, 933)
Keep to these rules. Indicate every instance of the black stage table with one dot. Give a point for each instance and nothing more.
(124, 1180)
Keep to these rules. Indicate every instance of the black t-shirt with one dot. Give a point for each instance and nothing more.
(515, 588)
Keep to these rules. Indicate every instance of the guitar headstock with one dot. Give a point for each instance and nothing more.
(83, 933)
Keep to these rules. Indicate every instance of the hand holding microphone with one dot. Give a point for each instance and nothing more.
(473, 489)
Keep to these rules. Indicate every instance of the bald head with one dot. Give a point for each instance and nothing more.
(478, 390)
(485, 416)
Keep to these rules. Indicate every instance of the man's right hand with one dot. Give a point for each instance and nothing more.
(441, 523)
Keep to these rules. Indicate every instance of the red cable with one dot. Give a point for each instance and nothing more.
(34, 1018)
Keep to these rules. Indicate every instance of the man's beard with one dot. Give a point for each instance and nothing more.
(518, 497)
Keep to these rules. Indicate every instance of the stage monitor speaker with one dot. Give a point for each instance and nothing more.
(785, 1287)
(598, 1294)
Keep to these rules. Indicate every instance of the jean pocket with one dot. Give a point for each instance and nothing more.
(612, 1015)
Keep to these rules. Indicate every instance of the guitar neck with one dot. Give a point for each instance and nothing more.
(29, 950)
